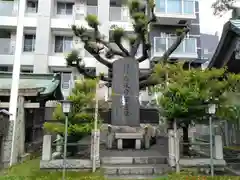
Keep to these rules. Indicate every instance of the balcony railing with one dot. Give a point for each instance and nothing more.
(6, 8)
(92, 10)
(181, 7)
(118, 14)
(6, 47)
(187, 46)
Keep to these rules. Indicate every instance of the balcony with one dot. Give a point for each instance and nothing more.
(5, 46)
(7, 8)
(119, 16)
(8, 13)
(6, 51)
(187, 49)
(174, 11)
(79, 14)
(92, 10)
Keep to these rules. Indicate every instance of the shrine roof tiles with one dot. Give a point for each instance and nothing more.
(227, 44)
(44, 84)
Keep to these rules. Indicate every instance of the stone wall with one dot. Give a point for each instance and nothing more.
(147, 116)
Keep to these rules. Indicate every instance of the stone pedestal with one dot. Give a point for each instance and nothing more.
(110, 137)
(137, 144)
(140, 135)
(147, 138)
(120, 137)
(171, 148)
(47, 148)
(119, 144)
(218, 147)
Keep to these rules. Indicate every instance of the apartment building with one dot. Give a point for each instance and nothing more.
(44, 33)
(209, 43)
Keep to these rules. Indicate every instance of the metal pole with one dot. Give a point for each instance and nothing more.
(95, 132)
(65, 147)
(211, 145)
(176, 147)
(96, 112)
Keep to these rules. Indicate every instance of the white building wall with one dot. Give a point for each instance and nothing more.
(45, 24)
(43, 36)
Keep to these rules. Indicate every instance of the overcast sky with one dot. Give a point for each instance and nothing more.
(208, 22)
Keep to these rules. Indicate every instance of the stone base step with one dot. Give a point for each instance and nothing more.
(142, 169)
(145, 177)
(133, 160)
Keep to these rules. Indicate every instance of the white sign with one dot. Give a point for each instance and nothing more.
(66, 84)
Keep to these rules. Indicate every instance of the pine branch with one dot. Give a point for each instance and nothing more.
(135, 46)
(108, 45)
(141, 26)
(82, 70)
(143, 58)
(145, 49)
(175, 45)
(146, 83)
(145, 35)
(99, 38)
(74, 60)
(97, 56)
(89, 45)
(124, 50)
(167, 53)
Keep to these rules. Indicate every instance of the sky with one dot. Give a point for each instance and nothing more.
(208, 22)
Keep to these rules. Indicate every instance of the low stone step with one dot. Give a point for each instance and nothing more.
(145, 177)
(142, 169)
(134, 160)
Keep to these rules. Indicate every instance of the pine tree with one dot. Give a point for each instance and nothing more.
(81, 117)
(142, 15)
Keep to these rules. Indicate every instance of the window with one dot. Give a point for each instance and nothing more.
(26, 71)
(29, 43)
(60, 72)
(4, 68)
(64, 8)
(63, 44)
(32, 6)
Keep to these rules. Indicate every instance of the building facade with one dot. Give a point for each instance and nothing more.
(209, 44)
(47, 34)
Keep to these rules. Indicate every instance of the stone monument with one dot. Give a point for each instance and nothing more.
(125, 127)
(125, 84)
